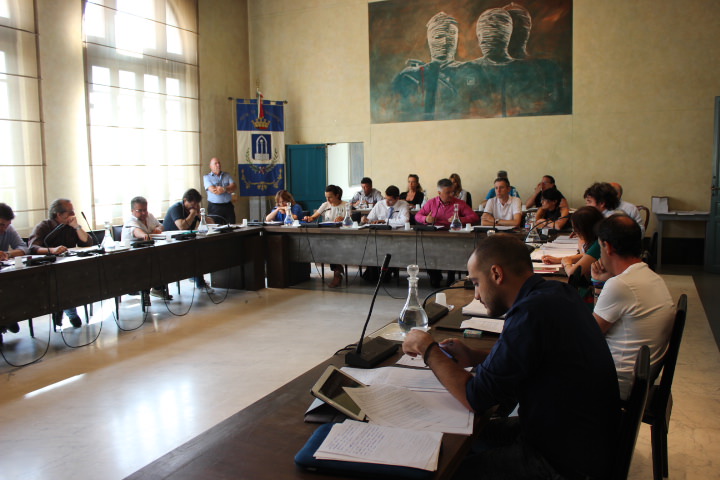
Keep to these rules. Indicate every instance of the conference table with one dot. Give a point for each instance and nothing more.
(260, 441)
(235, 259)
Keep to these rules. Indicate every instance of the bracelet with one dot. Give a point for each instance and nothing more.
(427, 351)
(597, 283)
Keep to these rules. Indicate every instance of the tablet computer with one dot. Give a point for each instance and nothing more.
(329, 389)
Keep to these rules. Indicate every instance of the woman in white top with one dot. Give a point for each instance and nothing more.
(333, 210)
(457, 188)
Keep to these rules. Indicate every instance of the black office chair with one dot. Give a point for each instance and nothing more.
(468, 199)
(632, 415)
(659, 407)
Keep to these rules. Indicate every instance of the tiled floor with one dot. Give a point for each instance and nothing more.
(132, 396)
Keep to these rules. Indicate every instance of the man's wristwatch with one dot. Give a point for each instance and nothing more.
(78, 227)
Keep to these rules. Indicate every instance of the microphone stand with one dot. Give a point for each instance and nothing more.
(376, 350)
(100, 249)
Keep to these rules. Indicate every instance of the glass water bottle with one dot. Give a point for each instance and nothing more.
(203, 227)
(455, 223)
(108, 243)
(347, 221)
(413, 315)
(288, 215)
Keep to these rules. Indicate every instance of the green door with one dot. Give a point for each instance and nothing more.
(307, 174)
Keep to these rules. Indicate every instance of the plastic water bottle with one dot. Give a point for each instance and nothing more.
(288, 215)
(413, 314)
(203, 227)
(455, 223)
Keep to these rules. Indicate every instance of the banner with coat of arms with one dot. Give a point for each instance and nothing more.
(260, 146)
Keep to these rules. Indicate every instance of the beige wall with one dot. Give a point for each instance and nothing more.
(223, 73)
(645, 79)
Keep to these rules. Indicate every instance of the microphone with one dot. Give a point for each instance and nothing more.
(540, 224)
(100, 249)
(378, 349)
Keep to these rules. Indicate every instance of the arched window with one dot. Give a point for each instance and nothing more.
(21, 159)
(142, 75)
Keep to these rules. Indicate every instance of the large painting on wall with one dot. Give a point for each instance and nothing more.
(455, 59)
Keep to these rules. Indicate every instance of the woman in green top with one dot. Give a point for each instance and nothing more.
(583, 223)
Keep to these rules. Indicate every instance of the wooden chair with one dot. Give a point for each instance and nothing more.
(632, 415)
(659, 405)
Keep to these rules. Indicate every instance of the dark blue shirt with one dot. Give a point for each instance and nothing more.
(177, 212)
(553, 360)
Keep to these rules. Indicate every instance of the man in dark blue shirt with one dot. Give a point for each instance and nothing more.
(551, 358)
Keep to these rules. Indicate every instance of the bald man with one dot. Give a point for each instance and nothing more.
(219, 186)
(627, 207)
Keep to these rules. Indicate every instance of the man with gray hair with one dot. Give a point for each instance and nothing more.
(54, 236)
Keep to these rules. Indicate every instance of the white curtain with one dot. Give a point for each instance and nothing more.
(21, 160)
(142, 79)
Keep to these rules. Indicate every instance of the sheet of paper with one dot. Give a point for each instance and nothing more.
(408, 361)
(492, 325)
(394, 406)
(411, 378)
(361, 442)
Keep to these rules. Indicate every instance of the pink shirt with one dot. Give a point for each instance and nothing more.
(443, 213)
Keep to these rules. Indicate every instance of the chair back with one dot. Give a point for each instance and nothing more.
(117, 232)
(645, 212)
(632, 414)
(660, 404)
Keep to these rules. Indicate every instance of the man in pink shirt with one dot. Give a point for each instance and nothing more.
(440, 210)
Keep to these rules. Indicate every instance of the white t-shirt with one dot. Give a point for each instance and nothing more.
(639, 305)
(400, 214)
(503, 212)
(330, 212)
(132, 223)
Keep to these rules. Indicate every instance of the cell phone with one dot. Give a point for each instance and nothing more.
(329, 389)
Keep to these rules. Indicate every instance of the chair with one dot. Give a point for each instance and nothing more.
(632, 414)
(468, 199)
(117, 232)
(645, 212)
(659, 407)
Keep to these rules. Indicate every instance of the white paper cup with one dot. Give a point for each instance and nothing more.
(19, 263)
(407, 225)
(440, 299)
(244, 224)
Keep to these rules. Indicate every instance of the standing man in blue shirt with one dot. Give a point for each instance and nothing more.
(220, 186)
(550, 358)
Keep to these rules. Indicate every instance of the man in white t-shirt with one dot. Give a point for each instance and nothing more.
(503, 209)
(627, 207)
(634, 307)
(391, 210)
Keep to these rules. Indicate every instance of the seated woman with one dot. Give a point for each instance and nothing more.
(415, 194)
(284, 202)
(334, 210)
(458, 190)
(583, 223)
(552, 213)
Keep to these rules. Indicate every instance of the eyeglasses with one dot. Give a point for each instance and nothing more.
(140, 210)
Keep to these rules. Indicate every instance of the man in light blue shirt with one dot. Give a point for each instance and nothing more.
(220, 186)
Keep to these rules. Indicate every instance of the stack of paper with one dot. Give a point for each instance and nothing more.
(492, 325)
(477, 309)
(354, 441)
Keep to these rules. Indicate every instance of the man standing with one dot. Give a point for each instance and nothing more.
(140, 225)
(627, 207)
(368, 196)
(185, 215)
(220, 186)
(550, 358)
(54, 236)
(634, 307)
(11, 245)
(604, 197)
(503, 209)
(392, 210)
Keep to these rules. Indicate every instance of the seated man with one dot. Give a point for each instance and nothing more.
(368, 196)
(630, 209)
(439, 211)
(140, 225)
(11, 245)
(392, 210)
(550, 358)
(535, 200)
(503, 209)
(54, 236)
(491, 192)
(634, 307)
(604, 197)
(185, 215)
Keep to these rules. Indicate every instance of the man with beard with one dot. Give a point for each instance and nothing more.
(550, 358)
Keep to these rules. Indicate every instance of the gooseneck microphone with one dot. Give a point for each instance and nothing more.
(541, 224)
(376, 350)
(92, 234)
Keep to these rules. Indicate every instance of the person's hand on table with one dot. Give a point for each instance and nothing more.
(416, 343)
(57, 250)
(430, 220)
(339, 218)
(4, 255)
(462, 354)
(550, 260)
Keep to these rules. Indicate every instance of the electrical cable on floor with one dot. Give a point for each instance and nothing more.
(62, 335)
(19, 365)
